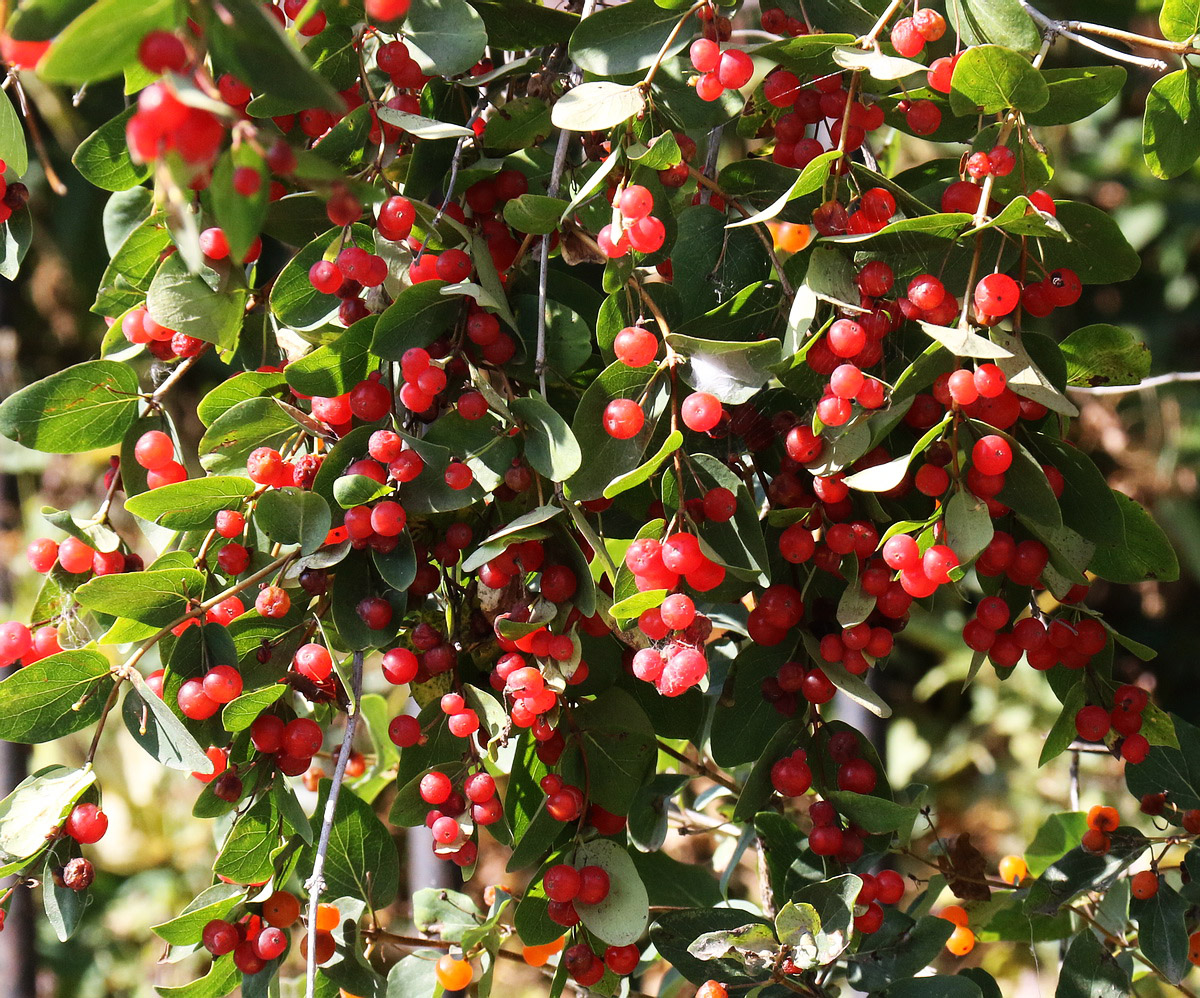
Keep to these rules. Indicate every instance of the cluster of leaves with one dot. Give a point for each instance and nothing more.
(577, 107)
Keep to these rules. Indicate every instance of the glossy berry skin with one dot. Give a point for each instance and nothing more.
(701, 411)
(86, 823)
(997, 294)
(635, 346)
(623, 419)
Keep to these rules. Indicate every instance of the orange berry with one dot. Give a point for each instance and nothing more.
(961, 941)
(792, 238)
(1013, 870)
(1102, 818)
(1144, 885)
(1096, 842)
(712, 989)
(452, 974)
(326, 945)
(1194, 948)
(954, 913)
(328, 917)
(281, 909)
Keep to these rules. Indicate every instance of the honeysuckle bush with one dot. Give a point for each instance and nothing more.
(564, 483)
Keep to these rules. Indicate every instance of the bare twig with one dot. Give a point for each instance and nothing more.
(1065, 29)
(316, 883)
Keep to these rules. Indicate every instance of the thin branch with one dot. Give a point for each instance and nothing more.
(316, 883)
(556, 172)
(700, 767)
(1062, 28)
(1175, 377)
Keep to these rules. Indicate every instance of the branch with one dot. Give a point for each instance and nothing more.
(560, 160)
(316, 883)
(1064, 28)
(1175, 377)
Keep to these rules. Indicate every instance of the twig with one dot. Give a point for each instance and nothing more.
(869, 39)
(560, 160)
(316, 883)
(181, 369)
(1175, 377)
(765, 237)
(666, 45)
(35, 133)
(700, 767)
(1062, 28)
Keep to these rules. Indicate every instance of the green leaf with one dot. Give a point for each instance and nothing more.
(1080, 871)
(621, 918)
(1076, 92)
(14, 244)
(1171, 126)
(126, 279)
(255, 47)
(1175, 770)
(833, 901)
(12, 140)
(1179, 20)
(993, 79)
(191, 504)
(356, 490)
(37, 805)
(154, 726)
(1101, 354)
(550, 445)
(514, 24)
(446, 37)
(534, 213)
(184, 302)
(422, 127)
(674, 931)
(647, 819)
(732, 371)
(241, 218)
(1143, 553)
(240, 713)
(632, 607)
(362, 861)
(1163, 931)
(64, 907)
(78, 409)
(252, 423)
(568, 338)
(294, 516)
(239, 388)
(1063, 732)
(294, 300)
(214, 902)
(103, 40)
(1098, 251)
(625, 39)
(968, 525)
(962, 342)
(811, 178)
(608, 458)
(1089, 970)
(743, 722)
(617, 739)
(53, 696)
(246, 857)
(902, 947)
(152, 597)
(597, 106)
(757, 788)
(223, 976)
(736, 543)
(1003, 22)
(1059, 834)
(644, 471)
(418, 316)
(1026, 378)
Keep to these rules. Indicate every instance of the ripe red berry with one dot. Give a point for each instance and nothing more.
(623, 419)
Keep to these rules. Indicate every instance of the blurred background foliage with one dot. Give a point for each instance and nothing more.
(976, 748)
